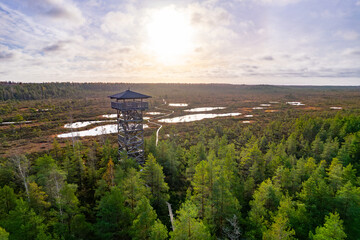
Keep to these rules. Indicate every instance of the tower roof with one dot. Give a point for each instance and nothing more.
(128, 94)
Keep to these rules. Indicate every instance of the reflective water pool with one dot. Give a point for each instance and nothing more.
(84, 124)
(203, 109)
(110, 115)
(178, 104)
(197, 117)
(154, 113)
(295, 103)
(96, 131)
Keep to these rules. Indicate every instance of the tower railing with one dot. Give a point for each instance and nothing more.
(134, 105)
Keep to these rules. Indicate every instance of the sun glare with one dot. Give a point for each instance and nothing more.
(169, 35)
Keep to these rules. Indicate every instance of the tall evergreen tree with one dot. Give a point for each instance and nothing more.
(332, 230)
(188, 226)
(153, 177)
(112, 216)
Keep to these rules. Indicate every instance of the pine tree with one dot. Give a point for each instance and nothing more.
(24, 223)
(200, 186)
(143, 223)
(335, 174)
(158, 231)
(224, 204)
(332, 230)
(38, 198)
(331, 148)
(4, 235)
(316, 194)
(134, 188)
(112, 216)
(153, 177)
(109, 175)
(348, 204)
(7, 201)
(188, 226)
(266, 201)
(279, 230)
(317, 147)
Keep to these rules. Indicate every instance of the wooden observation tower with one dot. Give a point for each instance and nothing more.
(130, 106)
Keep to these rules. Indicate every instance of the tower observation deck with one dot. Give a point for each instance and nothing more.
(130, 106)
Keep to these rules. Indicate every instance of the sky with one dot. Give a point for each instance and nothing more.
(281, 42)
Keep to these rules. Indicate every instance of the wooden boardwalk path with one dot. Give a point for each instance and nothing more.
(158, 124)
(157, 140)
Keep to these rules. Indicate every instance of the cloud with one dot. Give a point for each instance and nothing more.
(348, 35)
(352, 51)
(18, 31)
(66, 40)
(278, 2)
(268, 58)
(63, 13)
(271, 2)
(125, 50)
(213, 28)
(119, 23)
(53, 48)
(6, 55)
(202, 14)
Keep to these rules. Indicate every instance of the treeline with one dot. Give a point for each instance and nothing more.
(298, 180)
(38, 91)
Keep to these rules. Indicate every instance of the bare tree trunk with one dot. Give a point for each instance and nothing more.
(22, 165)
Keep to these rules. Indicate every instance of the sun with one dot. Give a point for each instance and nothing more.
(169, 35)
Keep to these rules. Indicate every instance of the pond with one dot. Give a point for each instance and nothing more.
(9, 123)
(96, 131)
(295, 103)
(84, 124)
(197, 117)
(178, 104)
(265, 105)
(336, 108)
(154, 113)
(110, 115)
(249, 116)
(257, 108)
(203, 109)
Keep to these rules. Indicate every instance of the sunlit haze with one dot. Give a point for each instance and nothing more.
(299, 42)
(170, 35)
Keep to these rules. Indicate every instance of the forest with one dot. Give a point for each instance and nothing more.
(294, 176)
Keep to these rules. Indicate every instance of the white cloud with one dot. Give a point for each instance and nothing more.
(347, 35)
(62, 41)
(271, 2)
(279, 2)
(122, 24)
(213, 27)
(352, 52)
(20, 31)
(60, 13)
